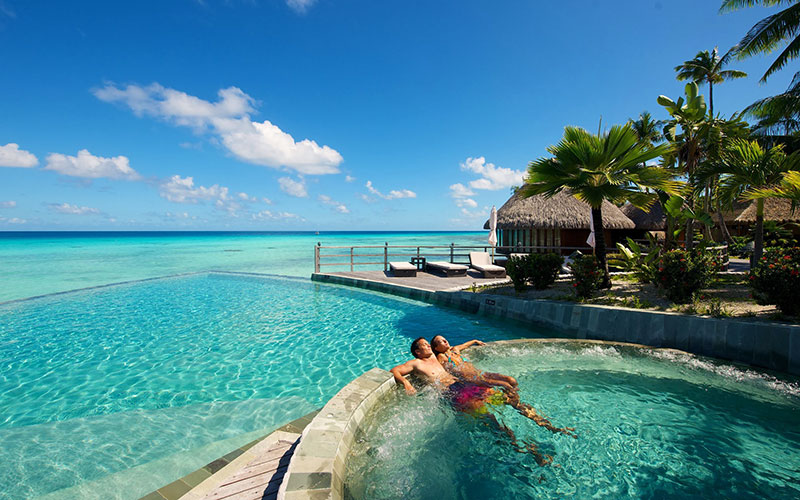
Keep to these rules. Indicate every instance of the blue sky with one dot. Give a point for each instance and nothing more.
(322, 115)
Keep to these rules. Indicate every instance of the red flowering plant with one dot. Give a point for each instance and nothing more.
(586, 275)
(776, 279)
(682, 274)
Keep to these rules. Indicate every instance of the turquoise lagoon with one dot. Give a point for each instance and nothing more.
(114, 391)
(48, 262)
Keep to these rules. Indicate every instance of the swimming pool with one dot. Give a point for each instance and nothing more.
(651, 424)
(117, 391)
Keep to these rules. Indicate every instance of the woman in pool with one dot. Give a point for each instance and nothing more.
(453, 361)
(471, 393)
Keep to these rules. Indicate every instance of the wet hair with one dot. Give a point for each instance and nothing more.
(415, 345)
(432, 343)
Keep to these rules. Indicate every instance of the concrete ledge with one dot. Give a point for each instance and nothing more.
(774, 346)
(316, 470)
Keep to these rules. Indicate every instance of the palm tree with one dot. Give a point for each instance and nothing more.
(750, 171)
(595, 168)
(770, 32)
(647, 130)
(707, 68)
(778, 115)
(685, 132)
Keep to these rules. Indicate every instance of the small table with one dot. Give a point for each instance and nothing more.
(419, 262)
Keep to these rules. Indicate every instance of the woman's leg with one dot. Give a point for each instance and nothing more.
(512, 398)
(507, 379)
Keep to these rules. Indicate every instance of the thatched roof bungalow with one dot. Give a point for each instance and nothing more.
(560, 221)
(653, 220)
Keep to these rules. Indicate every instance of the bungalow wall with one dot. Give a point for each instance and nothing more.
(568, 239)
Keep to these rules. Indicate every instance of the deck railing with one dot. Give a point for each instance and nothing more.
(381, 255)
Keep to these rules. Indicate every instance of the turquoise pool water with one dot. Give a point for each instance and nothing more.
(651, 424)
(113, 392)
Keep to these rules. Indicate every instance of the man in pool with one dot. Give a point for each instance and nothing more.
(469, 397)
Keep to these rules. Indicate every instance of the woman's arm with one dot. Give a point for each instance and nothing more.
(469, 344)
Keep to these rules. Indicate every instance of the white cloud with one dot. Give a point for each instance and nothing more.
(12, 156)
(366, 198)
(300, 6)
(269, 215)
(246, 197)
(182, 190)
(66, 208)
(349, 178)
(228, 119)
(460, 191)
(265, 144)
(292, 187)
(13, 220)
(267, 201)
(8, 204)
(466, 202)
(339, 207)
(93, 167)
(180, 215)
(493, 177)
(475, 214)
(394, 194)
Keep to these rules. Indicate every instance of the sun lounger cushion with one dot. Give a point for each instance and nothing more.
(403, 269)
(448, 268)
(490, 270)
(482, 261)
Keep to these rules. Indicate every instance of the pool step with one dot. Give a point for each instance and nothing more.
(255, 474)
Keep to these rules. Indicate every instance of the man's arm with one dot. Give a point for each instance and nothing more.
(469, 344)
(400, 371)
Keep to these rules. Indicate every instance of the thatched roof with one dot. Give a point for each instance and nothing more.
(777, 209)
(652, 220)
(561, 211)
(730, 214)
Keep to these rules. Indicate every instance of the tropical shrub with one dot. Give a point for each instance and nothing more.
(682, 274)
(776, 279)
(779, 235)
(641, 262)
(586, 275)
(543, 268)
(738, 247)
(517, 270)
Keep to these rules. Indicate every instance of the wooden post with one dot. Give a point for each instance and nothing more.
(451, 252)
(316, 257)
(351, 259)
(386, 256)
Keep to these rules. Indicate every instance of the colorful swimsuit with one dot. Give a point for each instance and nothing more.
(473, 398)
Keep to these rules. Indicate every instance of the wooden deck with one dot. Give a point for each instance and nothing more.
(423, 281)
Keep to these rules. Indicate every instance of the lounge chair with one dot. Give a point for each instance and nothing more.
(403, 269)
(482, 261)
(447, 268)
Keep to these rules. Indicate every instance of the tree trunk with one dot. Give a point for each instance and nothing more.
(759, 243)
(722, 226)
(707, 209)
(668, 236)
(711, 99)
(600, 246)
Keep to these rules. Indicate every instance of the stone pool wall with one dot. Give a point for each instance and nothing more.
(771, 345)
(317, 468)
